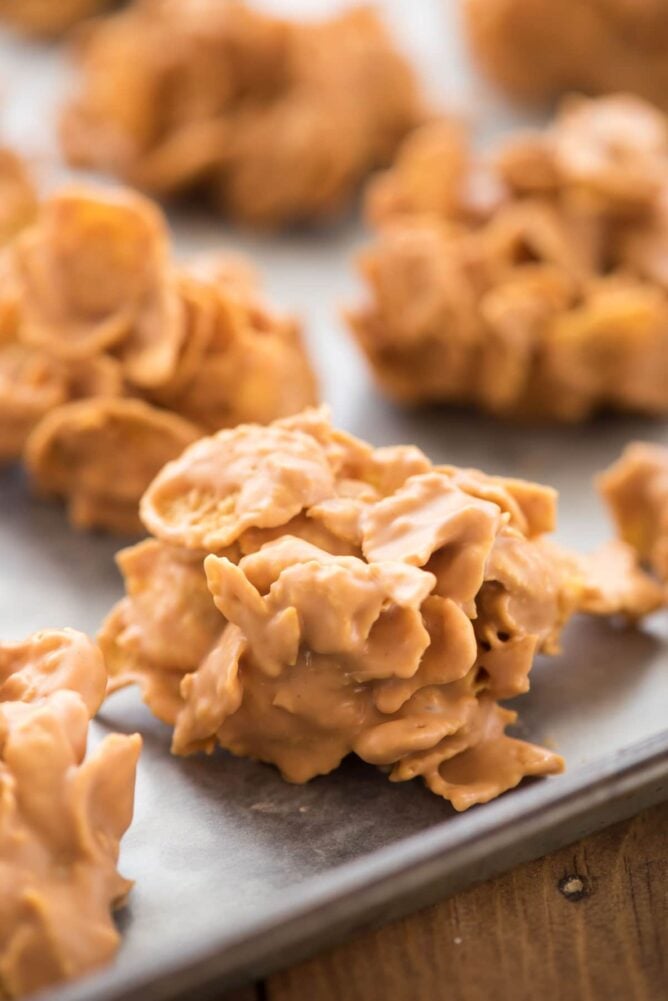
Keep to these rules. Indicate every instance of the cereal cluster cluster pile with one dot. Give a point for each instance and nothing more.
(113, 357)
(326, 597)
(61, 817)
(533, 283)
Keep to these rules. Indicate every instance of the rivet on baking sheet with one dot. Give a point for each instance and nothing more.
(573, 887)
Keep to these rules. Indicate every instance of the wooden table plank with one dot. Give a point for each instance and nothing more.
(587, 923)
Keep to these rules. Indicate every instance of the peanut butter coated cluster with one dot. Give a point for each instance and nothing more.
(536, 49)
(277, 121)
(304, 596)
(533, 283)
(636, 490)
(113, 358)
(61, 817)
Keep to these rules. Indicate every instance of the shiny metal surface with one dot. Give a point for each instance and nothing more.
(238, 872)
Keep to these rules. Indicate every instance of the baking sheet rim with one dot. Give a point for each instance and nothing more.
(402, 877)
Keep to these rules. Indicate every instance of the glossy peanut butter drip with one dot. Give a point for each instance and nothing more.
(61, 817)
(276, 120)
(48, 18)
(305, 596)
(532, 282)
(537, 49)
(113, 358)
(636, 491)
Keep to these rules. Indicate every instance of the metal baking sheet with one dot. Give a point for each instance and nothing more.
(238, 872)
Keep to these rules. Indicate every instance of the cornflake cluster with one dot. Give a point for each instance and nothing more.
(636, 490)
(61, 817)
(48, 18)
(305, 596)
(536, 49)
(113, 358)
(530, 284)
(278, 121)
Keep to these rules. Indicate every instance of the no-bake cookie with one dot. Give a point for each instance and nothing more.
(536, 49)
(532, 282)
(278, 121)
(113, 357)
(304, 596)
(62, 814)
(636, 491)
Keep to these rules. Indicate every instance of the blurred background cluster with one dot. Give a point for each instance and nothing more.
(500, 163)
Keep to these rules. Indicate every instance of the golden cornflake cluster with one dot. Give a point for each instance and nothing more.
(533, 283)
(536, 49)
(113, 358)
(48, 18)
(61, 817)
(278, 121)
(636, 490)
(325, 597)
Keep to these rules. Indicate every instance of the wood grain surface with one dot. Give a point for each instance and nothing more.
(587, 923)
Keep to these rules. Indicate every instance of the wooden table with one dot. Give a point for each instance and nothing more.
(587, 923)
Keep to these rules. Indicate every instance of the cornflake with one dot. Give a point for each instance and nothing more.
(305, 596)
(276, 120)
(539, 49)
(533, 283)
(636, 491)
(113, 358)
(62, 817)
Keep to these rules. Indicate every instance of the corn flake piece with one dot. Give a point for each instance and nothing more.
(635, 489)
(31, 385)
(90, 271)
(251, 477)
(100, 454)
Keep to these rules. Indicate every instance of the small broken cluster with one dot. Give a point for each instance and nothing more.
(325, 597)
(113, 358)
(61, 817)
(530, 284)
(277, 121)
(538, 49)
(636, 491)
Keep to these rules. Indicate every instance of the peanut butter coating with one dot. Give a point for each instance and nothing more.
(277, 121)
(113, 358)
(536, 49)
(636, 491)
(305, 596)
(62, 815)
(529, 283)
